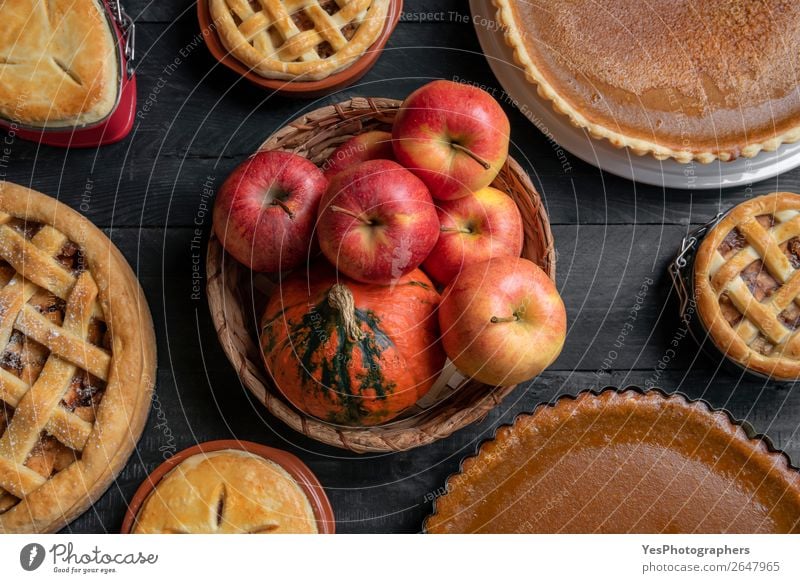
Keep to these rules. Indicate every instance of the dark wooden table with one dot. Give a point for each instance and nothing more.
(196, 121)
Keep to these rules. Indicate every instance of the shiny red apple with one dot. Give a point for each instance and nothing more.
(377, 222)
(453, 136)
(474, 228)
(265, 210)
(374, 145)
(502, 321)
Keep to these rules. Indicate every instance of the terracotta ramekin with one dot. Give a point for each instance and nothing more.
(326, 522)
(318, 88)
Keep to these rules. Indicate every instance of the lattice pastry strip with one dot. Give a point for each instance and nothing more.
(762, 318)
(37, 407)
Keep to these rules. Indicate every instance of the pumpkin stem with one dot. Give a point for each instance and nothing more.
(471, 154)
(341, 298)
(499, 320)
(355, 215)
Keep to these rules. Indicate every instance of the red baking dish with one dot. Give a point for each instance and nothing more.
(115, 126)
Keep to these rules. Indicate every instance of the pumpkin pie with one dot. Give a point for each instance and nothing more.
(77, 362)
(226, 491)
(747, 285)
(684, 79)
(620, 462)
(59, 63)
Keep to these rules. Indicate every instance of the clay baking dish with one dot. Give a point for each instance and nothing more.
(318, 88)
(326, 522)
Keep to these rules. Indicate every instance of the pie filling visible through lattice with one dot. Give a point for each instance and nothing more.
(298, 39)
(747, 275)
(60, 442)
(44, 335)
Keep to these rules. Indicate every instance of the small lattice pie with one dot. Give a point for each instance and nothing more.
(226, 492)
(747, 285)
(58, 62)
(77, 364)
(302, 40)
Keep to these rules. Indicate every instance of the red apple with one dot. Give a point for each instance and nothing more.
(502, 321)
(374, 145)
(474, 228)
(265, 210)
(377, 222)
(453, 136)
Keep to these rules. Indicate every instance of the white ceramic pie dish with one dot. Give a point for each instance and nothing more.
(600, 153)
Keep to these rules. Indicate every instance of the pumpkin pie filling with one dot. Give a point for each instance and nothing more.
(622, 462)
(690, 79)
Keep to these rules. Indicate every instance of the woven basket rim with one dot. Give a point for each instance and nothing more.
(315, 135)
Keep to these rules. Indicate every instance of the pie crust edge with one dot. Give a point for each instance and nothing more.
(638, 146)
(123, 411)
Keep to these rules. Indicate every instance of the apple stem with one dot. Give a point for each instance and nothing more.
(284, 206)
(499, 320)
(472, 155)
(464, 230)
(355, 215)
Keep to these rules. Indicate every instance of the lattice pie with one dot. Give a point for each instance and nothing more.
(77, 362)
(298, 39)
(747, 284)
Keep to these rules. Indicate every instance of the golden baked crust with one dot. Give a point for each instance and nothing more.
(78, 362)
(747, 284)
(722, 83)
(58, 63)
(303, 40)
(618, 462)
(224, 492)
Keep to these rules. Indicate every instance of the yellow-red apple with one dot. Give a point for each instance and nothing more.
(265, 210)
(474, 228)
(377, 222)
(453, 136)
(503, 321)
(374, 145)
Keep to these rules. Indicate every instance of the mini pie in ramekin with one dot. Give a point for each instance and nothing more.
(747, 285)
(223, 492)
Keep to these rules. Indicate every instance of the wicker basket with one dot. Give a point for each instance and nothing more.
(236, 297)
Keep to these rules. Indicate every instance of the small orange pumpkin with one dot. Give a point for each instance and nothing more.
(352, 353)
